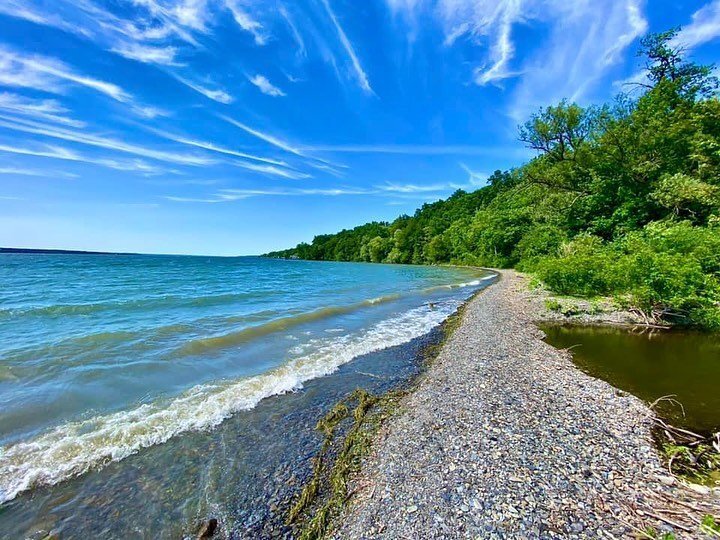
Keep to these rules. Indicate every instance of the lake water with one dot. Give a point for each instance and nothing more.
(140, 394)
(652, 364)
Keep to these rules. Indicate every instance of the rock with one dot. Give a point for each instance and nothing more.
(207, 529)
(411, 509)
(667, 480)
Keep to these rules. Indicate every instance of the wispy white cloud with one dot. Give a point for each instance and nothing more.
(35, 128)
(418, 188)
(165, 56)
(294, 32)
(41, 109)
(48, 151)
(246, 22)
(394, 191)
(332, 168)
(273, 170)
(586, 39)
(704, 27)
(265, 86)
(491, 20)
(209, 200)
(17, 75)
(270, 139)
(181, 16)
(150, 112)
(360, 75)
(36, 172)
(418, 149)
(388, 190)
(44, 73)
(474, 177)
(221, 96)
(56, 152)
(311, 161)
(503, 49)
(185, 181)
(409, 12)
(228, 195)
(29, 11)
(212, 147)
(488, 23)
(263, 165)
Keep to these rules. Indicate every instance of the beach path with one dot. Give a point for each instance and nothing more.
(505, 438)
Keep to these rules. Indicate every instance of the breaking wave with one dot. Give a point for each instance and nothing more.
(74, 448)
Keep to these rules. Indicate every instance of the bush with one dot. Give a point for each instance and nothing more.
(537, 242)
(668, 270)
(585, 267)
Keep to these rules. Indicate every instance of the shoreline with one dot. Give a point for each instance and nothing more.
(317, 506)
(239, 479)
(504, 436)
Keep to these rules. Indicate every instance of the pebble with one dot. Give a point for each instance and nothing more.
(534, 445)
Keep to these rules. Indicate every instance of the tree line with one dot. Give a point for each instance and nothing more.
(621, 199)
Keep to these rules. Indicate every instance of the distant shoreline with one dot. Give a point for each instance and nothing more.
(47, 251)
(39, 251)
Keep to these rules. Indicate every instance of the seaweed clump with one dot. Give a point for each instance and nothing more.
(326, 492)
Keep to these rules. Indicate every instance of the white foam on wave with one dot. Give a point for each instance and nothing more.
(74, 448)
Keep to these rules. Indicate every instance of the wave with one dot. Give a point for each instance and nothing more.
(153, 302)
(462, 285)
(238, 337)
(74, 448)
(67, 349)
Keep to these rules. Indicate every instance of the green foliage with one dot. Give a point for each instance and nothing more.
(666, 63)
(667, 270)
(650, 532)
(709, 524)
(621, 200)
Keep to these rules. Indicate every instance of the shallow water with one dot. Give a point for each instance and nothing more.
(651, 365)
(140, 394)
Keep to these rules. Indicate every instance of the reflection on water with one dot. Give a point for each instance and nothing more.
(650, 365)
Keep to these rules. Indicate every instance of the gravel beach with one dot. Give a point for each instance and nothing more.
(505, 438)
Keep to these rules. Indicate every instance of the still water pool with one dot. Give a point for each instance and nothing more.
(650, 365)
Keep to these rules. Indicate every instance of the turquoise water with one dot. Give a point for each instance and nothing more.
(104, 357)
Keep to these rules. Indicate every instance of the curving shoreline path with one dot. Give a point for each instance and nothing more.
(505, 438)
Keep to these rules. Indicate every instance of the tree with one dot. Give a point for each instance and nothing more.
(621, 200)
(665, 62)
(559, 131)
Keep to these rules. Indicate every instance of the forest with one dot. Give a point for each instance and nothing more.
(621, 200)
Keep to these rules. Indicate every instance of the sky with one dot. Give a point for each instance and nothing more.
(231, 127)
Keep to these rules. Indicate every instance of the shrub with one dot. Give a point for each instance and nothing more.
(585, 267)
(668, 270)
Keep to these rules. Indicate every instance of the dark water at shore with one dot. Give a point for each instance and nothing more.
(652, 364)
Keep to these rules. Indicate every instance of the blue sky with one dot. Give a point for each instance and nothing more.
(240, 126)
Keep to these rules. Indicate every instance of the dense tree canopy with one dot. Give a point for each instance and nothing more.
(621, 200)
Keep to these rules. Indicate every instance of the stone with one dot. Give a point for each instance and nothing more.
(207, 529)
